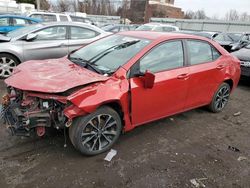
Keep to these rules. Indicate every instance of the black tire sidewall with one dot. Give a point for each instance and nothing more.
(80, 123)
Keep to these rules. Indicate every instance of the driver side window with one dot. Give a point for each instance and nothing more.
(166, 56)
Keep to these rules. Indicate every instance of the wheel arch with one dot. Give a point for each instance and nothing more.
(230, 83)
(116, 105)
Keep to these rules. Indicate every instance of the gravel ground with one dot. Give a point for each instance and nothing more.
(167, 153)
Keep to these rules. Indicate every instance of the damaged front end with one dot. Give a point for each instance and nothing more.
(26, 113)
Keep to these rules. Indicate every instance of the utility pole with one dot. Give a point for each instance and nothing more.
(125, 12)
(38, 5)
(77, 5)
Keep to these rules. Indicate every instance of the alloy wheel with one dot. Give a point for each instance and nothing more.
(99, 132)
(222, 98)
(6, 66)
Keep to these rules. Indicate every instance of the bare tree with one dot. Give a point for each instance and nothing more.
(44, 5)
(189, 14)
(244, 17)
(63, 6)
(232, 15)
(199, 14)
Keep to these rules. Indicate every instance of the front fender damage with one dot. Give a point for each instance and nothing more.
(91, 97)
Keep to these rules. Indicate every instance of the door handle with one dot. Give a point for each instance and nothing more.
(62, 45)
(183, 76)
(219, 67)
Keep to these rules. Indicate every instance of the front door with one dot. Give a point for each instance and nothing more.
(50, 42)
(168, 94)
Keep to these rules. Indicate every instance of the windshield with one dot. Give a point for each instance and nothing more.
(109, 53)
(235, 36)
(23, 30)
(145, 28)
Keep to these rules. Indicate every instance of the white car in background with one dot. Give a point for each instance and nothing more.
(61, 17)
(50, 16)
(157, 27)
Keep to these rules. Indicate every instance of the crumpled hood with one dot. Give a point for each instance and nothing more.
(243, 54)
(51, 76)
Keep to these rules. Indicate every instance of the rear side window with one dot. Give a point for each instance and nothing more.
(4, 21)
(20, 22)
(201, 52)
(77, 19)
(49, 18)
(38, 16)
(63, 18)
(168, 29)
(82, 33)
(163, 57)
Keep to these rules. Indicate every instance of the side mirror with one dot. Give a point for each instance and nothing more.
(31, 36)
(149, 80)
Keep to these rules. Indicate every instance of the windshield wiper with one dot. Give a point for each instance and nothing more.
(84, 63)
(109, 50)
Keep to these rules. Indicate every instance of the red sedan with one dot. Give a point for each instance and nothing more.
(118, 83)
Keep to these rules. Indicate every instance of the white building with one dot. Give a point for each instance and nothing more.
(10, 6)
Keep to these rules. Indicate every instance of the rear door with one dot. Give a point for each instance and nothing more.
(205, 72)
(51, 42)
(80, 36)
(169, 92)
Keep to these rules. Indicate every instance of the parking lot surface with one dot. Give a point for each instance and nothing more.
(167, 153)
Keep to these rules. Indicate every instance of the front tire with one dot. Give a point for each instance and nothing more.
(220, 98)
(7, 63)
(97, 132)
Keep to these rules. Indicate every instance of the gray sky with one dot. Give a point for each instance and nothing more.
(214, 7)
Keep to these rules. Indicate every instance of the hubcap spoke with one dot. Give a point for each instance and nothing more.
(106, 138)
(88, 139)
(92, 124)
(112, 133)
(99, 143)
(88, 134)
(94, 144)
(110, 125)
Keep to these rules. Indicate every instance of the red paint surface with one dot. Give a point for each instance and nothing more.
(51, 76)
(174, 91)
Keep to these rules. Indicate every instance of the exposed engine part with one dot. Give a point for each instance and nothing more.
(68, 123)
(40, 131)
(25, 113)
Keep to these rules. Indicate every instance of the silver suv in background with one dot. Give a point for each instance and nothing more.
(44, 41)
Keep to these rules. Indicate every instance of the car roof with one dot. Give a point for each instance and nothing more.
(48, 13)
(160, 24)
(80, 24)
(17, 16)
(153, 35)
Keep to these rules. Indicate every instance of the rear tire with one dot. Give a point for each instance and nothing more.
(7, 63)
(220, 98)
(97, 132)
